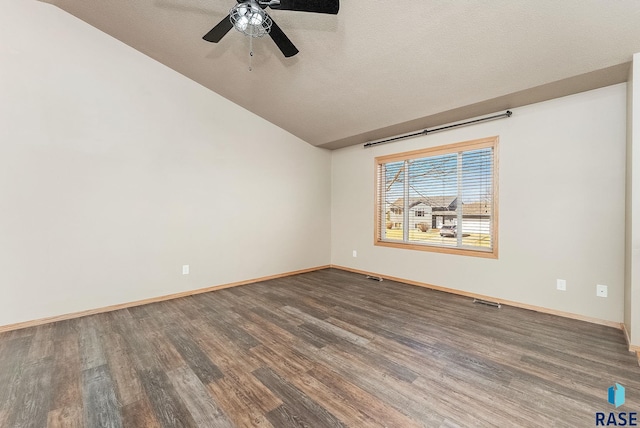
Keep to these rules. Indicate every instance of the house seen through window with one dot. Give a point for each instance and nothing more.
(445, 196)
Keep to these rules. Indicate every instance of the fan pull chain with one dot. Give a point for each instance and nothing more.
(250, 53)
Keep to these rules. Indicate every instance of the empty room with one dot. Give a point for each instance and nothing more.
(305, 213)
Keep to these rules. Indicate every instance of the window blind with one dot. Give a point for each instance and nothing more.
(439, 198)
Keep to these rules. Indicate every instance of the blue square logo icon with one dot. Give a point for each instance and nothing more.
(616, 395)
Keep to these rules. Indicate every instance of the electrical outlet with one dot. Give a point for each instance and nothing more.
(355, 253)
(602, 290)
(185, 269)
(561, 285)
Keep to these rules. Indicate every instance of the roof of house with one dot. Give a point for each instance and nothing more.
(468, 209)
(476, 208)
(432, 201)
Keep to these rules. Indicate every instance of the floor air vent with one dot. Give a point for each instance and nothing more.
(486, 302)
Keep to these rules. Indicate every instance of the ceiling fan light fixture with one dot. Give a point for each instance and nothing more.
(249, 18)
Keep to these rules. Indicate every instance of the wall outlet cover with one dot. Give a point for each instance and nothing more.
(561, 284)
(185, 269)
(602, 290)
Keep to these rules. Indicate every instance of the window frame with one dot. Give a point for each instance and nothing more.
(482, 143)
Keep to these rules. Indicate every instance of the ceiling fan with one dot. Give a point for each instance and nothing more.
(249, 17)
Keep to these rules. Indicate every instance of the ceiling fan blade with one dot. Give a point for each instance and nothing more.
(282, 41)
(219, 31)
(317, 6)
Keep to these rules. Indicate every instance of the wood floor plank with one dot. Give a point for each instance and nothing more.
(368, 335)
(164, 350)
(220, 300)
(378, 384)
(297, 403)
(232, 332)
(344, 408)
(268, 332)
(237, 402)
(67, 417)
(513, 402)
(222, 352)
(91, 353)
(327, 327)
(101, 407)
(250, 390)
(370, 358)
(193, 393)
(289, 363)
(463, 409)
(125, 378)
(12, 372)
(31, 406)
(141, 351)
(284, 416)
(66, 384)
(282, 296)
(279, 350)
(325, 348)
(66, 330)
(139, 414)
(377, 409)
(167, 406)
(194, 356)
(290, 327)
(590, 379)
(42, 343)
(579, 413)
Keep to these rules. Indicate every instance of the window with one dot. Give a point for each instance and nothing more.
(457, 187)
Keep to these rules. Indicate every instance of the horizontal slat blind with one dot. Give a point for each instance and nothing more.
(477, 198)
(444, 200)
(392, 193)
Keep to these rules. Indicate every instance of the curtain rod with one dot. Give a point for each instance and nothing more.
(508, 113)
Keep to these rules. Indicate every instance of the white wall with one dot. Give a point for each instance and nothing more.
(562, 208)
(632, 272)
(115, 171)
(628, 205)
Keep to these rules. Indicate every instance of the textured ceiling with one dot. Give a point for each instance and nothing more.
(380, 68)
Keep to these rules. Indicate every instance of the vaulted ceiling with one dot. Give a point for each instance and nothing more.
(381, 68)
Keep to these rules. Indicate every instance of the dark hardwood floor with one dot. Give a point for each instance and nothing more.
(323, 349)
